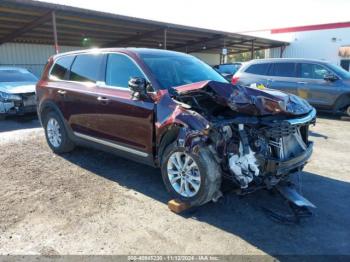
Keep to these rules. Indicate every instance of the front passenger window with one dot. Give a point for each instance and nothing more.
(120, 69)
(313, 71)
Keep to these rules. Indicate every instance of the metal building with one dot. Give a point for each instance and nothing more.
(31, 31)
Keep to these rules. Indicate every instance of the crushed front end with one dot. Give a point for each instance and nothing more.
(17, 104)
(259, 137)
(256, 152)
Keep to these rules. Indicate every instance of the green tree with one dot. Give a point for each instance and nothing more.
(246, 56)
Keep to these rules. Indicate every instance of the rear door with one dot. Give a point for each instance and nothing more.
(282, 76)
(80, 96)
(313, 87)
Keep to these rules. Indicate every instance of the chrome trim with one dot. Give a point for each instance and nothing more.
(110, 144)
(303, 120)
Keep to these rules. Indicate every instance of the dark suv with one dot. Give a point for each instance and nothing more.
(322, 84)
(228, 70)
(171, 110)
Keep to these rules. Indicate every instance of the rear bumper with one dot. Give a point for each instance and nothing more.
(278, 167)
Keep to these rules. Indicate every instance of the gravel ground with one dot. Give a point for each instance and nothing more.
(90, 202)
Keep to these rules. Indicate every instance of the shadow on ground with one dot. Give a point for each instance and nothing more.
(327, 232)
(12, 123)
(332, 116)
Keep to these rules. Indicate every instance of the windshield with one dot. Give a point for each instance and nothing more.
(176, 70)
(17, 75)
(340, 71)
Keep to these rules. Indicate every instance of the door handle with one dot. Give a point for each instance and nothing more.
(103, 99)
(62, 92)
(302, 82)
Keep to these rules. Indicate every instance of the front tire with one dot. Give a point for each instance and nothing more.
(193, 178)
(56, 134)
(347, 111)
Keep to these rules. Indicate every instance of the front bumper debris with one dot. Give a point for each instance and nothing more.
(289, 193)
(280, 167)
(19, 107)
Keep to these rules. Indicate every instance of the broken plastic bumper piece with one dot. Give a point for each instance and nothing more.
(280, 167)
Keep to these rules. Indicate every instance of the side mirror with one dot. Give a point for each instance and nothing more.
(139, 88)
(330, 78)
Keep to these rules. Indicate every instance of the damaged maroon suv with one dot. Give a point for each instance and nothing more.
(172, 111)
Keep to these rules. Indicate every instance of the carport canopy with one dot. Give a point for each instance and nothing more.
(27, 21)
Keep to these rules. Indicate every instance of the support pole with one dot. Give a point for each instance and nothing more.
(224, 56)
(252, 51)
(165, 36)
(55, 32)
(282, 51)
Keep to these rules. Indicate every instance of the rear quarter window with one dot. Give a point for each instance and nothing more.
(258, 69)
(61, 67)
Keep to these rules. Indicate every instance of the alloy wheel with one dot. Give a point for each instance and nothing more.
(183, 174)
(54, 132)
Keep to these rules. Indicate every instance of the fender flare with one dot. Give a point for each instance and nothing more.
(168, 136)
(52, 106)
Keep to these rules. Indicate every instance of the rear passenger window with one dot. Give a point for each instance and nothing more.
(120, 69)
(283, 69)
(86, 68)
(61, 67)
(258, 69)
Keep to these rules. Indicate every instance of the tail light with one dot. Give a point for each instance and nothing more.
(234, 80)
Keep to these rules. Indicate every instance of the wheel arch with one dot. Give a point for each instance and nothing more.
(167, 137)
(50, 106)
(342, 102)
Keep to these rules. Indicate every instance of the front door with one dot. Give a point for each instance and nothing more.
(119, 119)
(312, 86)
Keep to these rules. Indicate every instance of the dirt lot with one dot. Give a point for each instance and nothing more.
(89, 202)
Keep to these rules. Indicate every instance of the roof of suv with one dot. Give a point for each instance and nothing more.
(133, 50)
(272, 60)
(12, 68)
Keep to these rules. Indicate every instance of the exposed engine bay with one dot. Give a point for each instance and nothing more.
(259, 137)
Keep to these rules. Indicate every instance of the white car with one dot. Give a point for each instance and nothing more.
(17, 91)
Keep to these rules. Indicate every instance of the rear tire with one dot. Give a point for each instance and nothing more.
(56, 134)
(203, 176)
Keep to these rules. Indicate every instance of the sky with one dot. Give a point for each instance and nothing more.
(226, 15)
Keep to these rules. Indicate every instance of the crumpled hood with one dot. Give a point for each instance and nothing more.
(17, 87)
(251, 101)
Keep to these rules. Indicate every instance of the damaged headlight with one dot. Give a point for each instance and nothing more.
(272, 105)
(5, 97)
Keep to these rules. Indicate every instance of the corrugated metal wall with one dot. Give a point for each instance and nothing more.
(318, 44)
(34, 57)
(30, 56)
(211, 59)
